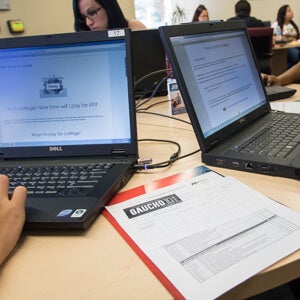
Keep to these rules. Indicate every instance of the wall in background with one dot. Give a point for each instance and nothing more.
(55, 16)
(44, 17)
(262, 9)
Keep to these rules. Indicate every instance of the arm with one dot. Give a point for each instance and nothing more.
(136, 25)
(269, 79)
(12, 216)
(292, 75)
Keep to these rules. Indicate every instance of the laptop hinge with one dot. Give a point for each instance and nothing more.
(118, 152)
(214, 142)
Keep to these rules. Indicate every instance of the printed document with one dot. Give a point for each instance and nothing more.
(209, 233)
(288, 107)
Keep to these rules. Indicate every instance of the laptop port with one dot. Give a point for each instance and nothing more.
(248, 166)
(220, 162)
(267, 169)
(235, 164)
(264, 169)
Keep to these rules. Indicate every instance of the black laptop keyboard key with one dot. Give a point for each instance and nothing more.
(278, 138)
(75, 180)
(297, 138)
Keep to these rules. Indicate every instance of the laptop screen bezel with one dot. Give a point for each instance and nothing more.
(167, 32)
(78, 150)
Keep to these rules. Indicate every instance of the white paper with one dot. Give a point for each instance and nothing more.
(5, 4)
(288, 107)
(209, 233)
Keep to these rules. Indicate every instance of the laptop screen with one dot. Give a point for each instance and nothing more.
(68, 94)
(220, 76)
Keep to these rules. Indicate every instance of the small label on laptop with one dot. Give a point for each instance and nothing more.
(117, 32)
(176, 101)
(64, 213)
(78, 213)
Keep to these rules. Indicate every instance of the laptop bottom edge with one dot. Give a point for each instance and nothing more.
(251, 166)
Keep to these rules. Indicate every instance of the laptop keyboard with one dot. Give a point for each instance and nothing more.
(278, 138)
(68, 180)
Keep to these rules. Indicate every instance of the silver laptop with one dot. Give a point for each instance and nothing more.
(225, 97)
(68, 128)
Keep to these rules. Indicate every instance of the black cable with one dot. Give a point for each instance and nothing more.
(151, 74)
(174, 156)
(139, 110)
(167, 163)
(162, 115)
(158, 85)
(153, 92)
(147, 91)
(142, 96)
(164, 164)
(152, 105)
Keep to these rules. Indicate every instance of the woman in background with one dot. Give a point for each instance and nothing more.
(201, 14)
(288, 30)
(91, 15)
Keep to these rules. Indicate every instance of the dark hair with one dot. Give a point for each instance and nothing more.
(243, 8)
(198, 12)
(115, 16)
(280, 19)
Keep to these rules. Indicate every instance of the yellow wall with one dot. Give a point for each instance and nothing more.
(56, 16)
(224, 9)
(47, 16)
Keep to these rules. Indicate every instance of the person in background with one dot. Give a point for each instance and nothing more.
(287, 30)
(242, 12)
(201, 14)
(12, 216)
(292, 75)
(91, 15)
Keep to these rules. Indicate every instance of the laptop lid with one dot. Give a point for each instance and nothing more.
(67, 95)
(217, 73)
(149, 63)
(68, 99)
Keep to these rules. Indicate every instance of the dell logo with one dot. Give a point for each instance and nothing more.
(55, 149)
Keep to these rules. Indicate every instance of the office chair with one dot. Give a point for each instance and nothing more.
(267, 23)
(262, 42)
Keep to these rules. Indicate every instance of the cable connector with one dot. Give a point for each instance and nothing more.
(144, 161)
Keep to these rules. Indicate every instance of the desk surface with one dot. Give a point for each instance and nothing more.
(292, 44)
(98, 263)
(279, 58)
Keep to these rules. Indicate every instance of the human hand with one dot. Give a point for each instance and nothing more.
(269, 79)
(12, 216)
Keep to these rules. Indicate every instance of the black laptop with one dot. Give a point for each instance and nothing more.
(68, 128)
(149, 63)
(225, 97)
(278, 92)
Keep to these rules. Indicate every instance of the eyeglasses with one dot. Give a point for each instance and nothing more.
(91, 14)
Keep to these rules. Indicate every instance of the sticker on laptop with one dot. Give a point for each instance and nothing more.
(116, 33)
(53, 86)
(78, 213)
(65, 213)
